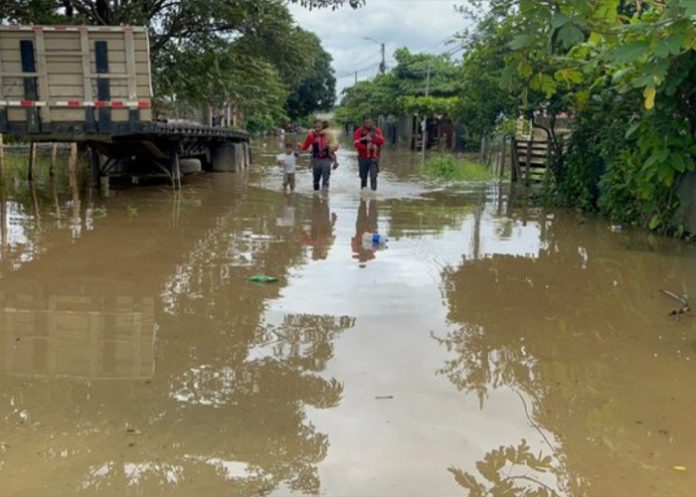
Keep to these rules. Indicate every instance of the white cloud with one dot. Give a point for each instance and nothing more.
(416, 24)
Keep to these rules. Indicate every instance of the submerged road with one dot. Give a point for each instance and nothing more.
(488, 346)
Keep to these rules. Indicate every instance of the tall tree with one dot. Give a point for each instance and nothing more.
(167, 20)
(317, 92)
(205, 51)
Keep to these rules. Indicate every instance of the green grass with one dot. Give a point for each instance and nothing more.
(451, 168)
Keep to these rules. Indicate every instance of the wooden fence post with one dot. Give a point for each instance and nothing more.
(528, 160)
(54, 158)
(2, 159)
(503, 149)
(31, 162)
(514, 161)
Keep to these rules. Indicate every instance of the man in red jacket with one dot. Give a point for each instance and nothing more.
(368, 141)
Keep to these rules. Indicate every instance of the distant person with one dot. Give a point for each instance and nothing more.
(368, 141)
(323, 147)
(288, 161)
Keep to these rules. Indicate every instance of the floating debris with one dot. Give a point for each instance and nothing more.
(682, 300)
(261, 278)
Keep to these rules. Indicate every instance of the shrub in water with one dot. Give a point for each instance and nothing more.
(451, 168)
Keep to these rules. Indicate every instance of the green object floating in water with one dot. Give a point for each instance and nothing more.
(261, 278)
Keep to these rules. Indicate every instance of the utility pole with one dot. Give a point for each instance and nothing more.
(383, 50)
(356, 77)
(424, 124)
(383, 65)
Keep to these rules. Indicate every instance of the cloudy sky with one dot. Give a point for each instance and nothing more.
(420, 25)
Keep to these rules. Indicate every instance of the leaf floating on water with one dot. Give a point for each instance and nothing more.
(133, 431)
(679, 468)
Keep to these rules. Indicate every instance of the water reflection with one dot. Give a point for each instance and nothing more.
(206, 390)
(430, 215)
(288, 212)
(30, 211)
(4, 239)
(547, 329)
(321, 231)
(580, 329)
(366, 222)
(74, 329)
(512, 470)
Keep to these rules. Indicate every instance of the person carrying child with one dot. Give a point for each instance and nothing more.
(368, 141)
(288, 161)
(323, 149)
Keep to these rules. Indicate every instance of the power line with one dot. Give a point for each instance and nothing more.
(350, 74)
(446, 41)
(361, 62)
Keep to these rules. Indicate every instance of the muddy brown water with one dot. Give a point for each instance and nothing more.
(490, 349)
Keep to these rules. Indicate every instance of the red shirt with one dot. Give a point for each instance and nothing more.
(361, 146)
(322, 148)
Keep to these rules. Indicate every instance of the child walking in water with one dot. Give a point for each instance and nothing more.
(288, 161)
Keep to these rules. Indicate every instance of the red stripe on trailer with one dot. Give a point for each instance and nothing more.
(117, 104)
(74, 103)
(26, 103)
(143, 104)
(101, 103)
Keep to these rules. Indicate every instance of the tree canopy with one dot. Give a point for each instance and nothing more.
(624, 71)
(611, 58)
(418, 83)
(317, 91)
(247, 51)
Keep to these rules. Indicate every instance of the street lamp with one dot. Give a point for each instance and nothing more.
(383, 64)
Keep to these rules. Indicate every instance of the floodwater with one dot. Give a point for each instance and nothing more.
(490, 349)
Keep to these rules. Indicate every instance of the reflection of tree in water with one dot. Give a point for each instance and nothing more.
(512, 471)
(305, 341)
(252, 409)
(261, 375)
(476, 366)
(418, 218)
(568, 328)
(226, 407)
